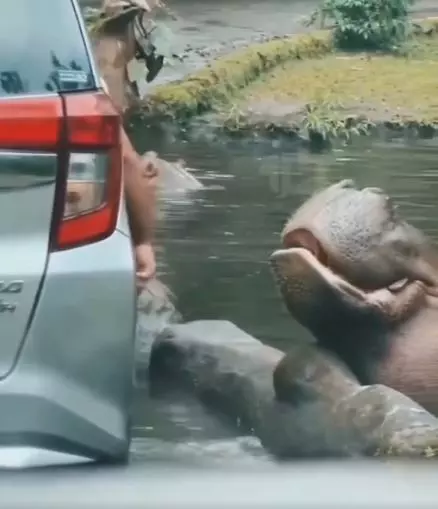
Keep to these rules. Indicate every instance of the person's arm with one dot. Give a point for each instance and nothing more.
(140, 196)
(140, 193)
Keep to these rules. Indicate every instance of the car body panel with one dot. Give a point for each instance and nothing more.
(70, 389)
(27, 189)
(67, 325)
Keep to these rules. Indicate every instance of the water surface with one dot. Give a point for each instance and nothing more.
(215, 253)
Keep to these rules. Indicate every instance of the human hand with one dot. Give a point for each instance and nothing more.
(145, 264)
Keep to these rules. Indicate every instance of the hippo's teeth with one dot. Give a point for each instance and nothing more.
(398, 285)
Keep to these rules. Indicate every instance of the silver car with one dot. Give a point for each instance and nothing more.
(67, 287)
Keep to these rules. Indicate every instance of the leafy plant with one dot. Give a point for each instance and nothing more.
(324, 121)
(367, 24)
(234, 119)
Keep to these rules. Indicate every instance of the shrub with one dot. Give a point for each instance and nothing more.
(367, 24)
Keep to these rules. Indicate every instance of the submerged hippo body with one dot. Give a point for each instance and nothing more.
(176, 178)
(364, 283)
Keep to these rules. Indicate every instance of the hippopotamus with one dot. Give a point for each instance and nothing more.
(363, 281)
(358, 233)
(175, 177)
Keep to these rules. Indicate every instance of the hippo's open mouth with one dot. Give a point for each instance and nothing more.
(347, 253)
(301, 246)
(359, 235)
(301, 273)
(302, 239)
(315, 293)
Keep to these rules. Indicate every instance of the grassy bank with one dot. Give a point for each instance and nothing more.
(333, 94)
(302, 83)
(218, 83)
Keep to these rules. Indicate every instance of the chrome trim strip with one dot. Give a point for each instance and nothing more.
(21, 170)
(28, 96)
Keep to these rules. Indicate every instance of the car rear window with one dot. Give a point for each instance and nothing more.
(41, 48)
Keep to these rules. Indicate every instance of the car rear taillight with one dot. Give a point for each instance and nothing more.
(30, 123)
(88, 195)
(84, 130)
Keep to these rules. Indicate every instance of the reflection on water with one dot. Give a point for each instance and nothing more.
(238, 451)
(215, 251)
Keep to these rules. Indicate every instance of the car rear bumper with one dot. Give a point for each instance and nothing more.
(68, 395)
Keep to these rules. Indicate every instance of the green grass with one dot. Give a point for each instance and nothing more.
(306, 71)
(219, 82)
(376, 86)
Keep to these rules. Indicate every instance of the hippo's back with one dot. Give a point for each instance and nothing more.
(411, 365)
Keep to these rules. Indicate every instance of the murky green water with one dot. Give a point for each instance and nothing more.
(216, 249)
